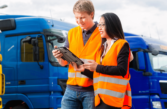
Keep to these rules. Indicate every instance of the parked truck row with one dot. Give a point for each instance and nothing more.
(34, 79)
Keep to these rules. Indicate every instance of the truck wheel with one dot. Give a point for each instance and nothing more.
(19, 107)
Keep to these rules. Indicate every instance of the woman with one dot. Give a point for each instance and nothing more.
(111, 69)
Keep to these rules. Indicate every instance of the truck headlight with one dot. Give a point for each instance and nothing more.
(157, 104)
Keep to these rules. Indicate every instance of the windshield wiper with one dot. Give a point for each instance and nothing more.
(161, 70)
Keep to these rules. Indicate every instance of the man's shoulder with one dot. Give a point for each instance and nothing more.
(73, 31)
(75, 28)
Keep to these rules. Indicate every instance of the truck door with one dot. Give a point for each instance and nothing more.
(139, 81)
(32, 77)
(10, 63)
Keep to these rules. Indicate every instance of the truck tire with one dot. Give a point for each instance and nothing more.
(19, 107)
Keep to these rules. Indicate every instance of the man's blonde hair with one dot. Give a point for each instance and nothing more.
(84, 6)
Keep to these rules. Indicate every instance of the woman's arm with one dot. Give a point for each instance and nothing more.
(88, 73)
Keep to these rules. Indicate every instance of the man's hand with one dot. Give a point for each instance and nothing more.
(92, 65)
(78, 68)
(56, 53)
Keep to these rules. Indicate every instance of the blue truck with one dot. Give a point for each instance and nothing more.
(35, 80)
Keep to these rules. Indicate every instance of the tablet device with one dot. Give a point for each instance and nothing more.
(69, 56)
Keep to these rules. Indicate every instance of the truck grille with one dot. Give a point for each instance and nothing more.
(165, 104)
(163, 86)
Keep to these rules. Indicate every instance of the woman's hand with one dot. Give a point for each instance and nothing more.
(56, 53)
(79, 68)
(92, 65)
(131, 56)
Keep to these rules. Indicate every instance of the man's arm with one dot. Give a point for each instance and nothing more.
(62, 62)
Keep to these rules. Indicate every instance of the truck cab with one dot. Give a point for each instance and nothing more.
(148, 73)
(34, 79)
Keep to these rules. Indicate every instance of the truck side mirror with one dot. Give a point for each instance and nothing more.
(155, 52)
(34, 42)
(27, 40)
(140, 61)
(61, 40)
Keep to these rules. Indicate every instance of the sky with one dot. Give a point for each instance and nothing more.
(142, 17)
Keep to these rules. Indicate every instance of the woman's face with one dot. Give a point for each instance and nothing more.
(102, 28)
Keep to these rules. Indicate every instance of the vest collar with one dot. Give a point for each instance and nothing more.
(93, 35)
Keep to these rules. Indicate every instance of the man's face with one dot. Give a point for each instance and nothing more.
(84, 20)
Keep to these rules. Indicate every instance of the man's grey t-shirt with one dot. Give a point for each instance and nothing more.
(86, 35)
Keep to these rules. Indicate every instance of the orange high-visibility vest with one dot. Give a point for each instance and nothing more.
(85, 52)
(109, 88)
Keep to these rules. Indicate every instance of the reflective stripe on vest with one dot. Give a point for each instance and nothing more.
(128, 93)
(109, 92)
(86, 60)
(110, 80)
(76, 74)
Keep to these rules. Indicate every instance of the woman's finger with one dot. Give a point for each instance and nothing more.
(87, 64)
(86, 67)
(90, 61)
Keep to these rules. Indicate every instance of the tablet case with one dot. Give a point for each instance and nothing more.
(69, 56)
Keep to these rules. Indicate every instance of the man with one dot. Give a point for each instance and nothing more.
(83, 40)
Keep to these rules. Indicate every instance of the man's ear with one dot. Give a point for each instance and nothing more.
(92, 15)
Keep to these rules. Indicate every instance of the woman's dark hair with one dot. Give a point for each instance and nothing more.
(113, 26)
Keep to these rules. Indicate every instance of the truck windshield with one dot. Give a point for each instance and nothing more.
(158, 62)
(53, 40)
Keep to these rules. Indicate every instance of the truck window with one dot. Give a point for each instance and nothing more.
(158, 62)
(54, 41)
(27, 51)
